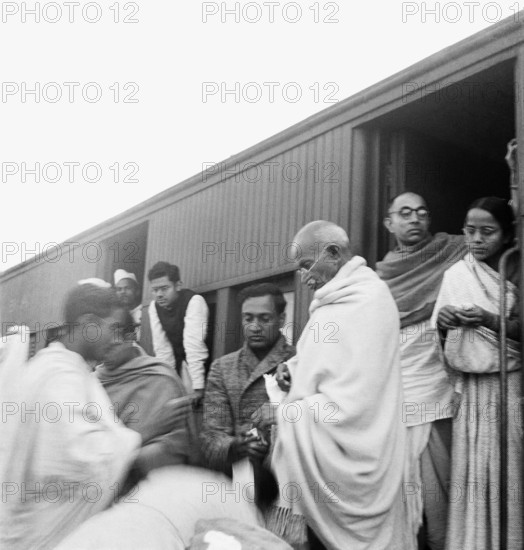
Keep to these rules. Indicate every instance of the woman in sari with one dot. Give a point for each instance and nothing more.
(467, 311)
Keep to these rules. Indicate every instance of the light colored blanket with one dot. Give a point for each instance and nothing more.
(340, 448)
(163, 510)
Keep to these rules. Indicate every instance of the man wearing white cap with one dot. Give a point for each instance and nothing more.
(128, 294)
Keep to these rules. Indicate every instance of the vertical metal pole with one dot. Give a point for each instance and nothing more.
(503, 479)
(519, 134)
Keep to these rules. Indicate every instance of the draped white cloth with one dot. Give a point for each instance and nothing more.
(474, 491)
(428, 393)
(64, 451)
(412, 487)
(470, 349)
(340, 449)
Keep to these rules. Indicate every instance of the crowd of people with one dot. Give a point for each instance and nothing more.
(379, 431)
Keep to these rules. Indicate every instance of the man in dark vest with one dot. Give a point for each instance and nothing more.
(178, 319)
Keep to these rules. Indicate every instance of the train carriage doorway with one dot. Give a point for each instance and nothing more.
(125, 250)
(448, 144)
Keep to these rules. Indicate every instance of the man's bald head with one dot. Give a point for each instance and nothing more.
(324, 233)
(393, 204)
(323, 248)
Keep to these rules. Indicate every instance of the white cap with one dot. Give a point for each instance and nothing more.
(95, 281)
(123, 274)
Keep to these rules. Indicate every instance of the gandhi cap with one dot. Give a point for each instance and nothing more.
(123, 274)
(95, 282)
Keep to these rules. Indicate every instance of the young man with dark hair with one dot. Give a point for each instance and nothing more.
(178, 318)
(264, 289)
(64, 452)
(236, 386)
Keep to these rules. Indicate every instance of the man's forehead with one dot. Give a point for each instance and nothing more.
(408, 199)
(258, 304)
(306, 248)
(161, 281)
(125, 283)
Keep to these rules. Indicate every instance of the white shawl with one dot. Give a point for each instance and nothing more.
(64, 450)
(340, 447)
(475, 349)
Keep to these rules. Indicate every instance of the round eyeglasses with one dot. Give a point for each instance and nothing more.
(303, 272)
(405, 213)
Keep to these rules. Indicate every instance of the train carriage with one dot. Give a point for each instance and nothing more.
(439, 127)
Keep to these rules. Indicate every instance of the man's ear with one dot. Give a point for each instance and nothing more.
(178, 285)
(387, 224)
(282, 320)
(333, 250)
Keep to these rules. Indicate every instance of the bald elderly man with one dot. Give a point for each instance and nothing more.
(339, 450)
(413, 271)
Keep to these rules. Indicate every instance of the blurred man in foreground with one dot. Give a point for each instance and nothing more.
(65, 452)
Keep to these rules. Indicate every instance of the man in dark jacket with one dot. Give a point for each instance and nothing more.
(236, 385)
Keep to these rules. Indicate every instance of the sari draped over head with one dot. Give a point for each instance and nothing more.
(139, 389)
(340, 444)
(414, 274)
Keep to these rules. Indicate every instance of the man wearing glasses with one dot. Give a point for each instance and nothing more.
(413, 271)
(339, 450)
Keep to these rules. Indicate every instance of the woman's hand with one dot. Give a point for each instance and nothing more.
(475, 316)
(447, 318)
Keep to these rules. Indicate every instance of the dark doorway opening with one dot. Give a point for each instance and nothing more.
(126, 250)
(448, 144)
